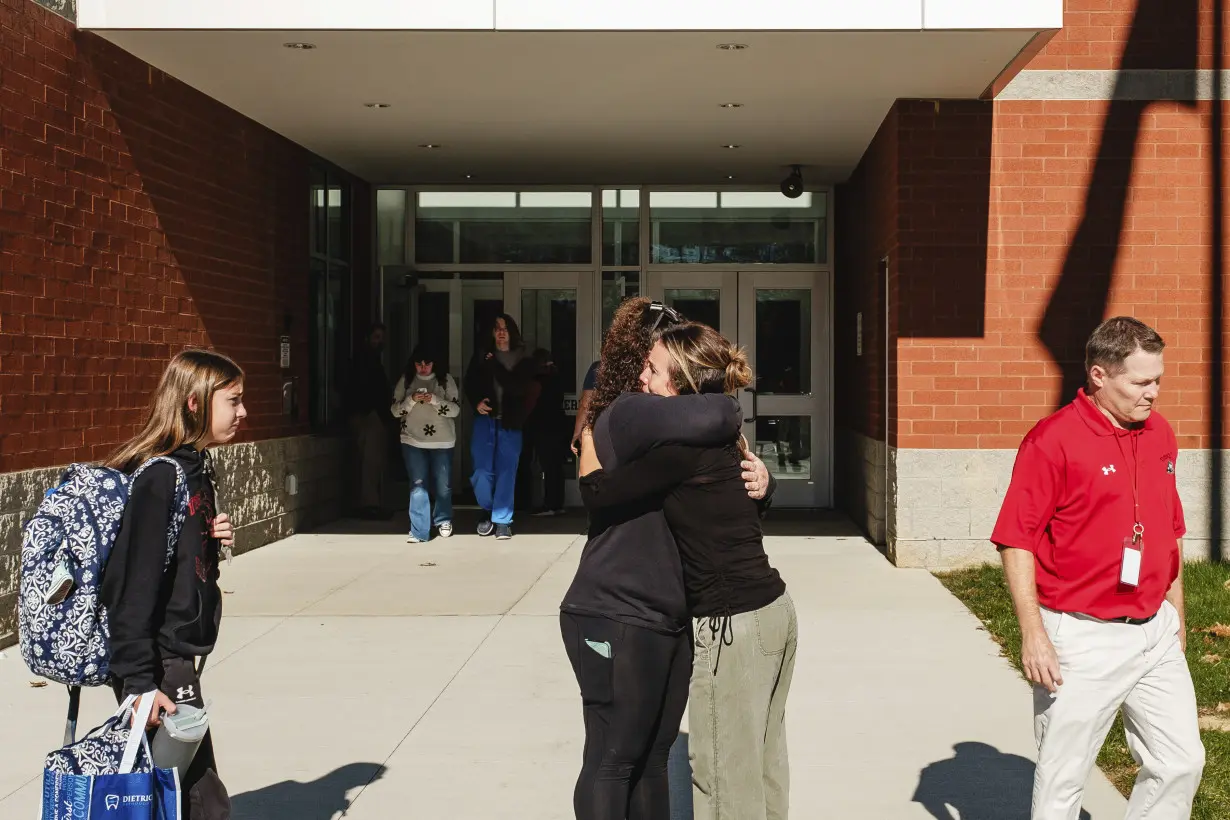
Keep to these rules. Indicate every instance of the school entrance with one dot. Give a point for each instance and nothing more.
(753, 264)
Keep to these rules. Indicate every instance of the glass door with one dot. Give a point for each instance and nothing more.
(781, 319)
(555, 312)
(783, 324)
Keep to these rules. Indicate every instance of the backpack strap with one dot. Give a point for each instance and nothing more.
(179, 511)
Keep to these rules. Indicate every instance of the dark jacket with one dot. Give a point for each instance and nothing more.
(155, 614)
(518, 384)
(630, 569)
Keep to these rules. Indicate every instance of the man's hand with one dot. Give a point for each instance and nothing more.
(755, 474)
(1039, 660)
(484, 407)
(161, 703)
(223, 531)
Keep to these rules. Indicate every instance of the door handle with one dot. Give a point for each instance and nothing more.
(752, 417)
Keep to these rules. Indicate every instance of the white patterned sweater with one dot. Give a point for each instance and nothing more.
(428, 425)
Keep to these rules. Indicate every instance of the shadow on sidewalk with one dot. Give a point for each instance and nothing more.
(322, 799)
(981, 783)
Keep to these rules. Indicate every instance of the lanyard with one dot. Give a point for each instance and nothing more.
(1138, 529)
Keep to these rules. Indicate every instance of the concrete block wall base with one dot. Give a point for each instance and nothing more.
(252, 489)
(942, 504)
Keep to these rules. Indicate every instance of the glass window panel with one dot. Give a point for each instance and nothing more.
(783, 341)
(617, 285)
(697, 304)
(318, 216)
(549, 320)
(743, 227)
(391, 226)
(783, 443)
(504, 227)
(338, 210)
(621, 227)
(433, 326)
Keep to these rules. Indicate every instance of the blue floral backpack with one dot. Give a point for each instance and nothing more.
(64, 549)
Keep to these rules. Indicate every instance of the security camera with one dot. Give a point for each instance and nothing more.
(792, 186)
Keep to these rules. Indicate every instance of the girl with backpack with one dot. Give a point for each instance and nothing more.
(426, 401)
(163, 620)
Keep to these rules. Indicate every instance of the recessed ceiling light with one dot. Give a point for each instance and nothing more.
(429, 145)
(469, 176)
(299, 46)
(732, 46)
(730, 176)
(732, 145)
(731, 105)
(377, 105)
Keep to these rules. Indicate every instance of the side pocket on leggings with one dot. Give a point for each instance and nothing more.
(597, 671)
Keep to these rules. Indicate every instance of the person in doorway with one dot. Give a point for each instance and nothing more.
(624, 618)
(366, 399)
(164, 617)
(587, 397)
(426, 401)
(744, 622)
(500, 384)
(545, 430)
(1089, 534)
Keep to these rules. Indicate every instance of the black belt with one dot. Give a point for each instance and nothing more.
(1134, 621)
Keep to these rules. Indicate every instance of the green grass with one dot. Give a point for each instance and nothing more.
(982, 589)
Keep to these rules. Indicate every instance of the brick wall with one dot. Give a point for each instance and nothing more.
(137, 216)
(1082, 193)
(1164, 34)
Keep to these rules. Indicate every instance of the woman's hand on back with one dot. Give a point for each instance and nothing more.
(755, 474)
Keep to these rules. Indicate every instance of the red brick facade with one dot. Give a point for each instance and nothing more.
(137, 216)
(1019, 225)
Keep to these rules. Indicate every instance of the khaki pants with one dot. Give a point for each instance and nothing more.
(737, 714)
(1107, 666)
(370, 443)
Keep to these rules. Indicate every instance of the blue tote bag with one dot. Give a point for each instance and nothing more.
(109, 774)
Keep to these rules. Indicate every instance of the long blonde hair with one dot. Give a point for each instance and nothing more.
(171, 425)
(704, 361)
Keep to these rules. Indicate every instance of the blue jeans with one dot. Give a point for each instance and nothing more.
(423, 465)
(496, 452)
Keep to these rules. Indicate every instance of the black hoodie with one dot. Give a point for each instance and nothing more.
(155, 614)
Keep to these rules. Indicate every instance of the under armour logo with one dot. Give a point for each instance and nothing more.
(185, 693)
(1108, 470)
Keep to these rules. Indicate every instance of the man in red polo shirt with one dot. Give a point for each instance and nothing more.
(1089, 535)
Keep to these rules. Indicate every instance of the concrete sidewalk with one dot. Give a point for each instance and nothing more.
(428, 681)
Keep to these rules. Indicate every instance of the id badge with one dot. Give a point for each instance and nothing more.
(1129, 570)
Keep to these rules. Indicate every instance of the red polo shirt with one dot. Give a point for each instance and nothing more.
(1070, 504)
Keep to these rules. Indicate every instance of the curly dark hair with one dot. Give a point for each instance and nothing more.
(624, 350)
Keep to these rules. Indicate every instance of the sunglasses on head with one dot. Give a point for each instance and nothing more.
(655, 312)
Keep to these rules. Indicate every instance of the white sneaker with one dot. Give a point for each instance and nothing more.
(410, 539)
(446, 529)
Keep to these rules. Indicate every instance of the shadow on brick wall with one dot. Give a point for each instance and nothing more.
(939, 280)
(1163, 37)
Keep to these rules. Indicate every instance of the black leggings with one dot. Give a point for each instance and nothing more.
(633, 704)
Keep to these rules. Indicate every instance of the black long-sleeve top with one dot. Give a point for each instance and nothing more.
(715, 523)
(152, 613)
(630, 569)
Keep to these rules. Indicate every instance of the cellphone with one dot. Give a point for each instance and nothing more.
(421, 390)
